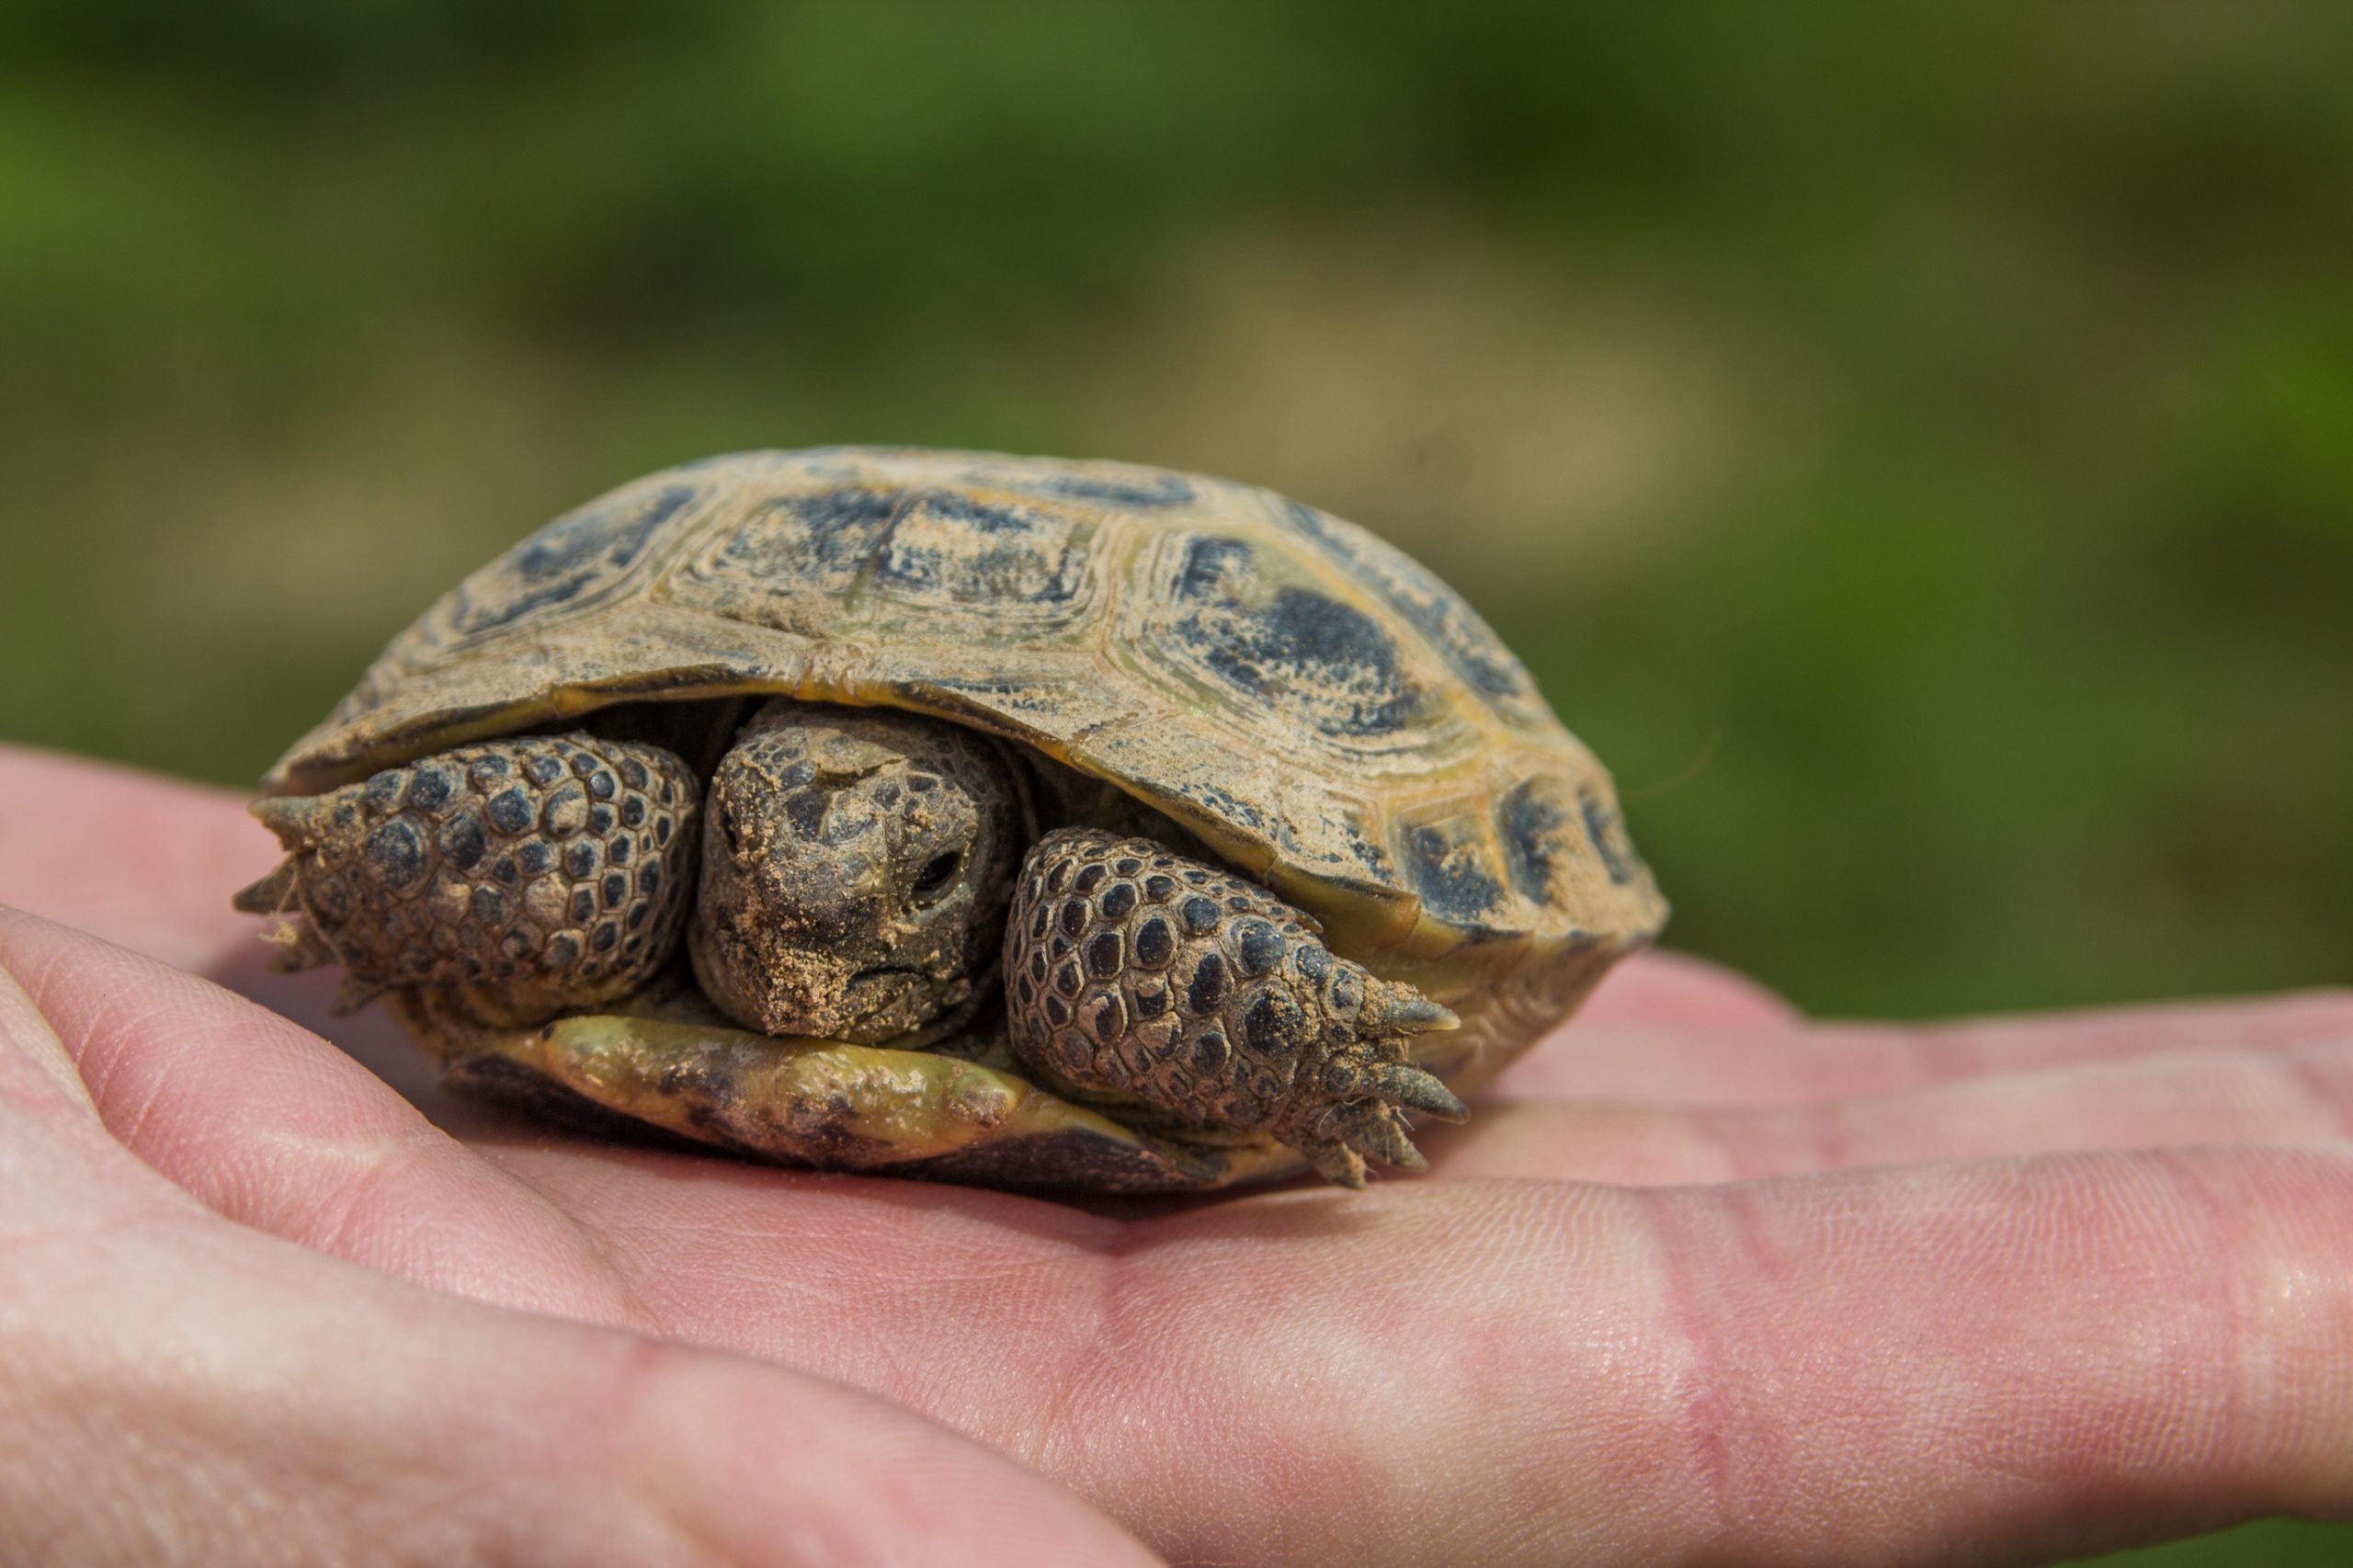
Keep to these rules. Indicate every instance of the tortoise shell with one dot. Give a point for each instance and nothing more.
(1318, 708)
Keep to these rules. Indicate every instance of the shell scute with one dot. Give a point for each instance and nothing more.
(1453, 864)
(1290, 651)
(803, 544)
(1468, 644)
(954, 550)
(574, 562)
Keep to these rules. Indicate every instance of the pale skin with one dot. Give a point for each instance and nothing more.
(1701, 1280)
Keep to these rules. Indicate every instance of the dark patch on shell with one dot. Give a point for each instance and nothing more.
(1531, 821)
(1315, 654)
(1607, 831)
(1454, 887)
(821, 542)
(1466, 641)
(577, 552)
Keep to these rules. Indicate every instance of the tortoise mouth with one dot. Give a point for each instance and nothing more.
(813, 995)
(905, 1008)
(883, 1005)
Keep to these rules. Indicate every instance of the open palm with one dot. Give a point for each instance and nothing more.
(1699, 1281)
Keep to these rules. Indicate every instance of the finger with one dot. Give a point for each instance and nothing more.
(267, 1125)
(1657, 988)
(1763, 1066)
(51, 1142)
(207, 1395)
(144, 862)
(2299, 1094)
(2006, 1358)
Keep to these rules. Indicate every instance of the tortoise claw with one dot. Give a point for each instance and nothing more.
(1398, 1008)
(1338, 1163)
(270, 895)
(1413, 1087)
(293, 818)
(354, 993)
(299, 947)
(1353, 1133)
(1382, 1135)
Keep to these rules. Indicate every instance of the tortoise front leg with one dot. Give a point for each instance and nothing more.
(531, 876)
(1135, 974)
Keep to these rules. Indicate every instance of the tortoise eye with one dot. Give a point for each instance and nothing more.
(938, 877)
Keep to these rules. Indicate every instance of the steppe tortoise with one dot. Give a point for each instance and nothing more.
(993, 819)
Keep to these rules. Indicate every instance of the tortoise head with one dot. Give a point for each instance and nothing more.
(856, 866)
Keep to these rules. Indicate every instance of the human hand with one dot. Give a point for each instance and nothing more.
(1701, 1280)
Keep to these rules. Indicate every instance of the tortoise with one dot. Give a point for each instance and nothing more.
(1011, 821)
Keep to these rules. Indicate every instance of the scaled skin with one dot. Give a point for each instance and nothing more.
(2109, 1297)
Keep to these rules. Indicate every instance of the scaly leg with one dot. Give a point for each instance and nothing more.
(1134, 973)
(529, 875)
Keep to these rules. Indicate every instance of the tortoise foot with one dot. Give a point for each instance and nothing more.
(1135, 974)
(537, 874)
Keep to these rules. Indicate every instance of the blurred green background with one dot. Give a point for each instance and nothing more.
(1912, 447)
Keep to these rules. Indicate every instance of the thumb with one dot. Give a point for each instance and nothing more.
(221, 1396)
